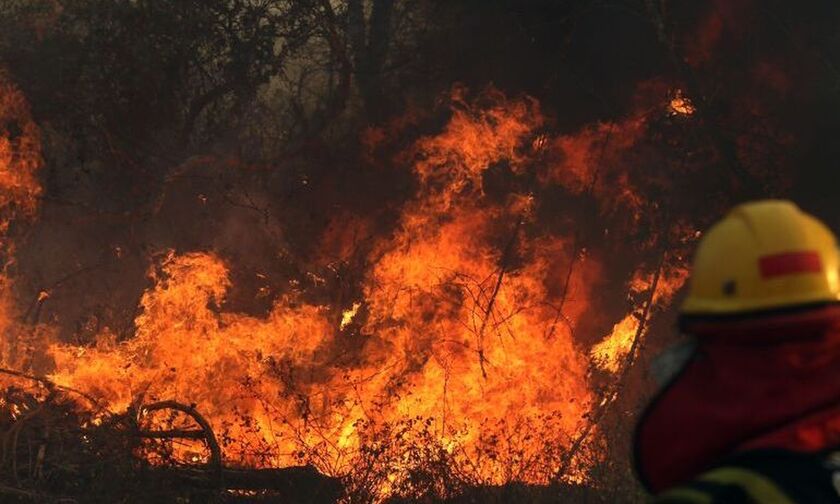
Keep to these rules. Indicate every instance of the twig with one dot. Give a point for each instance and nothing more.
(566, 283)
(50, 384)
(489, 309)
(618, 385)
(576, 250)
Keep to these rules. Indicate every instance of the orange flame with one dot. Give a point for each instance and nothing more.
(610, 352)
(461, 339)
(680, 104)
(20, 160)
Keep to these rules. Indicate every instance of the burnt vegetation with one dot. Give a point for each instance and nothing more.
(276, 164)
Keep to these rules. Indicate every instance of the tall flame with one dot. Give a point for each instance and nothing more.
(20, 160)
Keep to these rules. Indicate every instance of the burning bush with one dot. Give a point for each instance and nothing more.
(277, 242)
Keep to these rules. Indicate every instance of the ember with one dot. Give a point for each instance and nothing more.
(680, 105)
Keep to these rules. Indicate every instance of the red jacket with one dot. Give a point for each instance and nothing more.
(761, 382)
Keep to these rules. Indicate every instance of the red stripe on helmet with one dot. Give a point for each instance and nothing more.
(790, 263)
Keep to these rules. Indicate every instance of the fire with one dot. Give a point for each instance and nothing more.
(680, 104)
(610, 353)
(463, 340)
(187, 351)
(348, 315)
(20, 154)
(20, 160)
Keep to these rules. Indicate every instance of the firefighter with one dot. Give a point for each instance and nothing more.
(753, 413)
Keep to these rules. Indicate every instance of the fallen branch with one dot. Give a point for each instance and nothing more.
(173, 434)
(215, 462)
(47, 446)
(289, 480)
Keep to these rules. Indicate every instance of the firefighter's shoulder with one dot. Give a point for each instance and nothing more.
(763, 477)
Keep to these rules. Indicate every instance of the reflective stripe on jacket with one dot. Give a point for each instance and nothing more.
(763, 477)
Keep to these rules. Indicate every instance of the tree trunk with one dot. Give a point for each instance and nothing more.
(370, 50)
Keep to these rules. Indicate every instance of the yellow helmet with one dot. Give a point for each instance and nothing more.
(763, 256)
